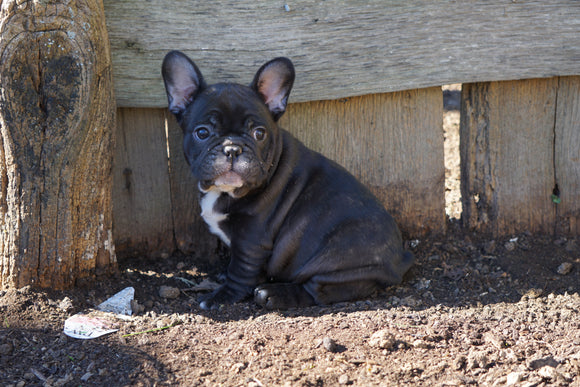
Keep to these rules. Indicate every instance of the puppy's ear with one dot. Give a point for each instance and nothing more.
(273, 82)
(183, 81)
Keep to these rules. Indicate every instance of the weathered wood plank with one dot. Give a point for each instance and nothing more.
(567, 154)
(191, 233)
(343, 48)
(507, 148)
(392, 142)
(142, 221)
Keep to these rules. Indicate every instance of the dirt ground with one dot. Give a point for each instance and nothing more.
(472, 311)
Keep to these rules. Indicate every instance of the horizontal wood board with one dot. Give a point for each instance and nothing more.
(343, 48)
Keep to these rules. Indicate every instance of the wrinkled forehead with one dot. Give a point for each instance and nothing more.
(227, 99)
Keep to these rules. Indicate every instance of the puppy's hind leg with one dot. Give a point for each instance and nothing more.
(282, 296)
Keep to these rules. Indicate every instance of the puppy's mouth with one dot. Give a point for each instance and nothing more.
(228, 181)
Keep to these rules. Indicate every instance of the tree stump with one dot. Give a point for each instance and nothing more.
(57, 116)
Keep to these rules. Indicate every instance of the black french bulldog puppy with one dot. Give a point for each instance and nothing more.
(301, 229)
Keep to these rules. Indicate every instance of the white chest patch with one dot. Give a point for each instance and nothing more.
(211, 217)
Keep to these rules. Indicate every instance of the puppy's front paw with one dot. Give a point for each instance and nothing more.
(223, 295)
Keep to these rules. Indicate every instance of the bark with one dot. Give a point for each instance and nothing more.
(57, 116)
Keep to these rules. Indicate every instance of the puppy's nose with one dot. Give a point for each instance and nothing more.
(232, 150)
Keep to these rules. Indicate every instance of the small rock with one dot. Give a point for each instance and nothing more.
(477, 359)
(411, 301)
(571, 246)
(565, 268)
(532, 293)
(66, 304)
(180, 265)
(513, 378)
(86, 376)
(489, 247)
(548, 372)
(510, 246)
(422, 284)
(543, 362)
(62, 381)
(329, 344)
(238, 367)
(560, 241)
(343, 379)
(494, 339)
(6, 349)
(419, 343)
(136, 307)
(382, 339)
(168, 292)
(428, 295)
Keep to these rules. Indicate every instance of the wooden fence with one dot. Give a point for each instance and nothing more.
(368, 95)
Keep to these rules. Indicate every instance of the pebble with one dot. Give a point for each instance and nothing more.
(571, 246)
(411, 301)
(548, 361)
(343, 379)
(422, 284)
(382, 339)
(136, 307)
(86, 376)
(6, 349)
(513, 378)
(489, 247)
(66, 304)
(548, 372)
(477, 359)
(329, 344)
(238, 367)
(565, 268)
(510, 246)
(168, 292)
(419, 343)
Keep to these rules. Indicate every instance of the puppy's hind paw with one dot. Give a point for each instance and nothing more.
(282, 296)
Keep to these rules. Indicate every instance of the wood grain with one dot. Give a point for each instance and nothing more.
(567, 154)
(507, 156)
(141, 193)
(392, 142)
(343, 48)
(57, 119)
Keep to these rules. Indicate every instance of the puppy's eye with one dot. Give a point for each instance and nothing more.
(201, 132)
(259, 133)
